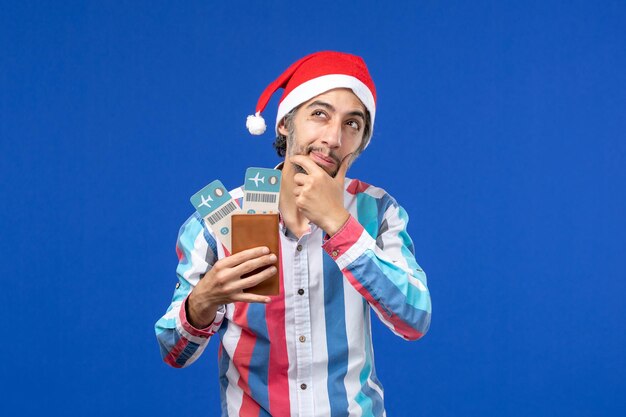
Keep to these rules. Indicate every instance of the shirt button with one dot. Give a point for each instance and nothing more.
(301, 291)
(299, 248)
(302, 339)
(303, 386)
(335, 253)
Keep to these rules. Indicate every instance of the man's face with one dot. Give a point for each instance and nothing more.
(327, 128)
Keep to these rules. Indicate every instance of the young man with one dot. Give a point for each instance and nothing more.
(344, 249)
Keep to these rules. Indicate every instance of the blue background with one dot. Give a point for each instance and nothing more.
(500, 128)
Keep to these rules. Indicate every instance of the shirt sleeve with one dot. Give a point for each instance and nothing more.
(384, 271)
(180, 342)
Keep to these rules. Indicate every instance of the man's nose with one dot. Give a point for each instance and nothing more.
(332, 135)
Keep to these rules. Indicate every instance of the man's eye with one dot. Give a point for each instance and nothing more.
(319, 113)
(354, 124)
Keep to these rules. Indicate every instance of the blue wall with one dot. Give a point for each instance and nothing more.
(500, 128)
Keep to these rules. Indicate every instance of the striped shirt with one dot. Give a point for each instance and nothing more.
(309, 351)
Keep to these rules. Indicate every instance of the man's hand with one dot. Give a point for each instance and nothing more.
(223, 284)
(319, 196)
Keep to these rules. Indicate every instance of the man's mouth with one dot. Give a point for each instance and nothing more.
(322, 159)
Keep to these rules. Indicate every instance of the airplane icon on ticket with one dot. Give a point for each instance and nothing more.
(256, 179)
(205, 201)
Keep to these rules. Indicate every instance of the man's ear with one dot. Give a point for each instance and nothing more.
(282, 129)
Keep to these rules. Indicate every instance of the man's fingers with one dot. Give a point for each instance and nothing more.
(309, 166)
(300, 179)
(243, 256)
(247, 297)
(253, 280)
(252, 264)
(343, 167)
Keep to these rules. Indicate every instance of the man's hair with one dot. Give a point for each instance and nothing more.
(280, 143)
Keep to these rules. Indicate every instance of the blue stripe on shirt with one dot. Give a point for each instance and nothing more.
(405, 292)
(388, 294)
(367, 212)
(189, 350)
(336, 338)
(370, 401)
(370, 373)
(224, 362)
(186, 242)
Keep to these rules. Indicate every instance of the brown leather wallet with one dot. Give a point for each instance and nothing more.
(251, 231)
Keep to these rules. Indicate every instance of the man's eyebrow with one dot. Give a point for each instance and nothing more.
(330, 107)
(322, 104)
(357, 113)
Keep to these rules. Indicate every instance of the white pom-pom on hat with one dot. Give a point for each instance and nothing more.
(256, 124)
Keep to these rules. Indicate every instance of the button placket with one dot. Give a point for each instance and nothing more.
(302, 326)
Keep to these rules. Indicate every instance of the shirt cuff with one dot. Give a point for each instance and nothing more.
(205, 332)
(348, 243)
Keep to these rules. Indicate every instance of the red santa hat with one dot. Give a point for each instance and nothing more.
(311, 76)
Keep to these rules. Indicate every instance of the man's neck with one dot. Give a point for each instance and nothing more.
(292, 217)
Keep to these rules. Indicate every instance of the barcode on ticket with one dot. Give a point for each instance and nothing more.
(221, 213)
(260, 197)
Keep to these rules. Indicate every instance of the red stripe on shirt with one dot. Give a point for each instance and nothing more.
(356, 187)
(278, 379)
(170, 359)
(241, 360)
(344, 238)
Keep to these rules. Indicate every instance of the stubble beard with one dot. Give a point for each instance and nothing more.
(293, 150)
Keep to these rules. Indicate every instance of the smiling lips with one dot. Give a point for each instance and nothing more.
(322, 159)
